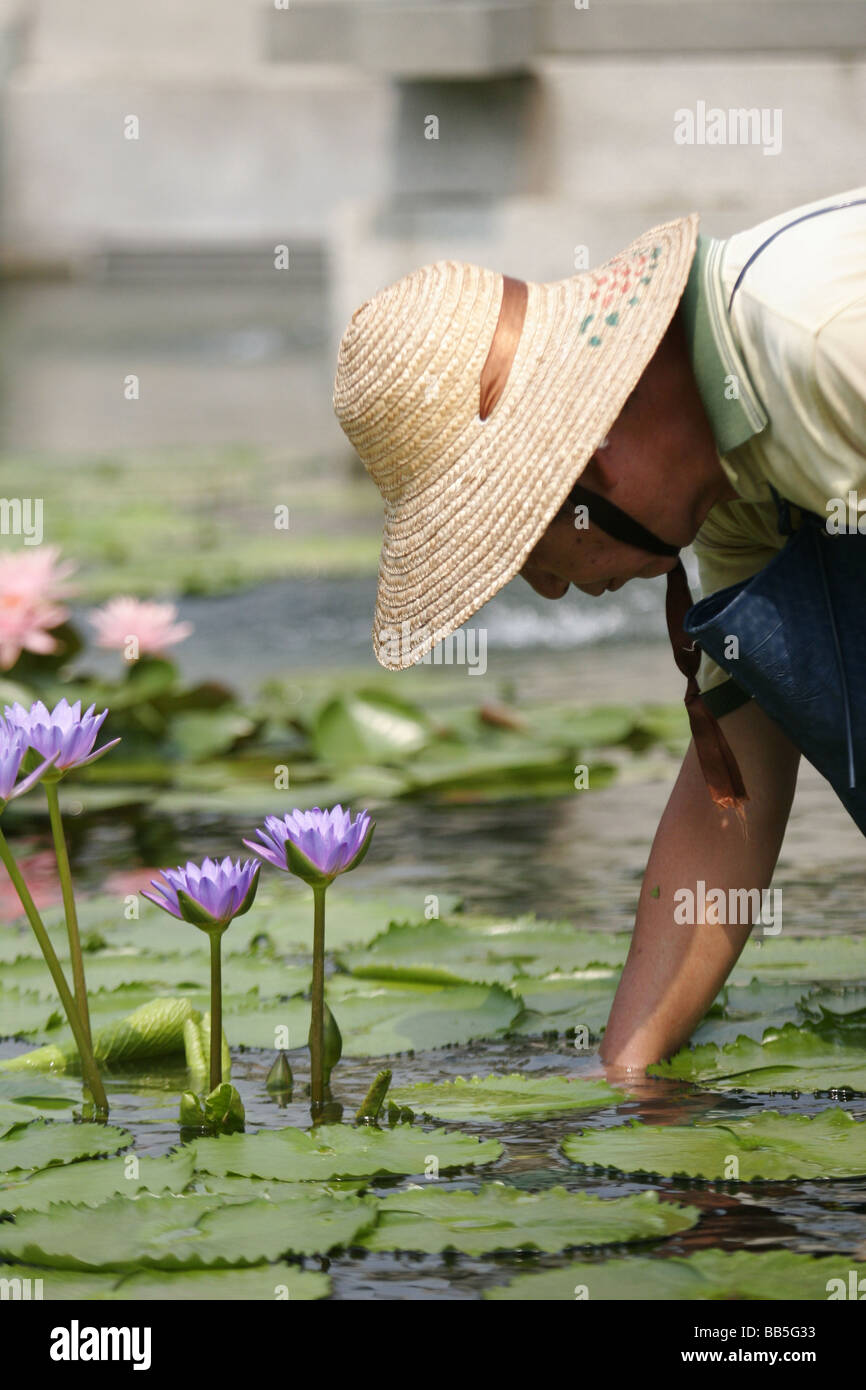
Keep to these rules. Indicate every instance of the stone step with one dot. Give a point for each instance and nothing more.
(217, 156)
(409, 39)
(448, 38)
(223, 33)
(702, 26)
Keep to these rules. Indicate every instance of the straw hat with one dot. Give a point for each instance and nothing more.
(467, 499)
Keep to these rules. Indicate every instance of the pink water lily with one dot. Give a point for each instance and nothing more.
(208, 895)
(36, 573)
(63, 734)
(153, 626)
(31, 582)
(25, 626)
(316, 845)
(13, 747)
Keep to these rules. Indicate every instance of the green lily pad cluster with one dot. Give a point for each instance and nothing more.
(391, 996)
(194, 529)
(235, 1217)
(406, 984)
(798, 1025)
(182, 745)
(790, 1059)
(90, 1226)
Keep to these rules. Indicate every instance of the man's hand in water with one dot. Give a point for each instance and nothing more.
(674, 970)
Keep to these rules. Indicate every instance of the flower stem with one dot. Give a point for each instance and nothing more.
(317, 1022)
(69, 907)
(216, 1010)
(82, 1040)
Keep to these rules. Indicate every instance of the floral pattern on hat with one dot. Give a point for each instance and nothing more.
(621, 277)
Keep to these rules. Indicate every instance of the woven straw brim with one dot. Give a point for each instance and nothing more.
(467, 500)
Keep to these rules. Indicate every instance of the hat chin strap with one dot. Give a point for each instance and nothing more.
(618, 523)
(718, 764)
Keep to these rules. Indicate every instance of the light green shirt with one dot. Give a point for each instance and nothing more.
(782, 377)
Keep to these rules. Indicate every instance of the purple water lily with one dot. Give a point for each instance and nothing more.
(13, 747)
(208, 895)
(316, 845)
(63, 734)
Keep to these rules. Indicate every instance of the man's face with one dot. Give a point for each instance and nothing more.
(658, 465)
(589, 559)
(586, 556)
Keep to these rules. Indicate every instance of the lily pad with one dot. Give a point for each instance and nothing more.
(368, 727)
(271, 1189)
(752, 1010)
(341, 1151)
(765, 1147)
(818, 958)
(43, 1142)
(484, 950)
(840, 1009)
(23, 1015)
(497, 1217)
(202, 734)
(562, 1003)
(265, 1283)
(268, 1283)
(506, 1097)
(184, 1233)
(104, 973)
(600, 726)
(184, 971)
(12, 1114)
(15, 942)
(776, 1275)
(93, 1182)
(32, 1282)
(283, 914)
(668, 724)
(793, 1059)
(109, 1006)
(455, 772)
(154, 1030)
(378, 1018)
(351, 919)
(45, 1094)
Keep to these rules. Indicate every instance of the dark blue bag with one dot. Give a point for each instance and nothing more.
(800, 625)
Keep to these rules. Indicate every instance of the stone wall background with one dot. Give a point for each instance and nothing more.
(305, 126)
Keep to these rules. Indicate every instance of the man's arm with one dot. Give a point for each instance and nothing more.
(674, 972)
